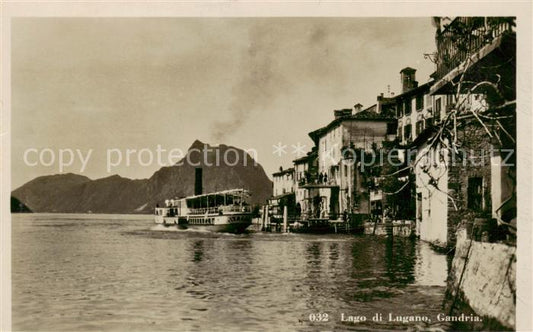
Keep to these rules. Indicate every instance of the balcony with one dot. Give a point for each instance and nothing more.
(464, 36)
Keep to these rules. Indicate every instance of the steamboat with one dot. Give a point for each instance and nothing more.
(222, 211)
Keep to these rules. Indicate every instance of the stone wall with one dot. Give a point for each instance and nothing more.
(477, 164)
(486, 284)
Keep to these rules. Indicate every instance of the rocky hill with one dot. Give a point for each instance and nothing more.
(71, 193)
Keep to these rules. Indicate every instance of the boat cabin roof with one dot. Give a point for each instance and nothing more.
(234, 192)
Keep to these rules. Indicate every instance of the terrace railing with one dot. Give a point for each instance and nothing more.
(466, 35)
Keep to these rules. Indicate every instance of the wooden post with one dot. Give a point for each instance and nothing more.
(267, 219)
(263, 218)
(284, 226)
(389, 227)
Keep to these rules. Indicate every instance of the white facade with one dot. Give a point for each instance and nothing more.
(416, 120)
(432, 202)
(300, 170)
(283, 182)
(329, 150)
(431, 108)
(359, 134)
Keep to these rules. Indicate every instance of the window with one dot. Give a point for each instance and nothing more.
(400, 133)
(400, 109)
(407, 132)
(407, 106)
(428, 100)
(429, 122)
(449, 99)
(475, 193)
(419, 127)
(391, 128)
(419, 102)
(437, 110)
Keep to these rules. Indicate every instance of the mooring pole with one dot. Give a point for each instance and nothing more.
(267, 219)
(263, 218)
(284, 219)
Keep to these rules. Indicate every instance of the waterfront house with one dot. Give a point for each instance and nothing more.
(283, 193)
(283, 181)
(413, 109)
(458, 164)
(340, 185)
(468, 161)
(306, 173)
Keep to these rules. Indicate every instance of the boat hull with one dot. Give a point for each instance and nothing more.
(234, 223)
(228, 228)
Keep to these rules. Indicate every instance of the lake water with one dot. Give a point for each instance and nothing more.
(121, 272)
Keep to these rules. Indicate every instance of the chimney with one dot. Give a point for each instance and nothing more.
(408, 76)
(198, 181)
(342, 113)
(357, 108)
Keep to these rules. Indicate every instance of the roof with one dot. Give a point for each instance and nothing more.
(408, 70)
(456, 72)
(319, 185)
(283, 172)
(370, 108)
(223, 192)
(365, 115)
(422, 138)
(282, 195)
(414, 91)
(301, 159)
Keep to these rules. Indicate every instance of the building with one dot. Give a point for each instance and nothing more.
(283, 181)
(466, 167)
(305, 173)
(458, 157)
(414, 107)
(283, 194)
(339, 184)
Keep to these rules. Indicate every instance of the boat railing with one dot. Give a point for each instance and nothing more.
(219, 209)
(235, 208)
(203, 210)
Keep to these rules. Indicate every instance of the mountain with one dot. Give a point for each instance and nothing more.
(71, 193)
(18, 207)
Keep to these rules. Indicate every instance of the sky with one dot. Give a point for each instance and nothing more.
(110, 84)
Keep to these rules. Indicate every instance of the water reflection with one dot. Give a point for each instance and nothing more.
(313, 256)
(198, 251)
(333, 255)
(430, 269)
(142, 279)
(400, 259)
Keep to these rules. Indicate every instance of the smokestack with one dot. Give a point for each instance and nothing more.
(198, 181)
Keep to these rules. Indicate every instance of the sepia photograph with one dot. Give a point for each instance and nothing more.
(223, 171)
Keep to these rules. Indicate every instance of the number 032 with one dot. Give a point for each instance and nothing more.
(320, 317)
